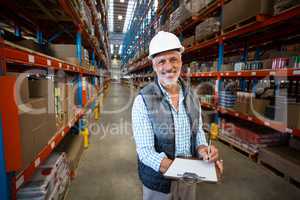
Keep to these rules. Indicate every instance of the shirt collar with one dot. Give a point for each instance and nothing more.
(166, 94)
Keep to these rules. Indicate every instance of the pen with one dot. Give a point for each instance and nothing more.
(209, 146)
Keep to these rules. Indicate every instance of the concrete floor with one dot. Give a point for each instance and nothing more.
(108, 170)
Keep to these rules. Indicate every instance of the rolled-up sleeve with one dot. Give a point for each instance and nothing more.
(144, 135)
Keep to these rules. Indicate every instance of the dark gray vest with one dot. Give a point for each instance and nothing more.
(161, 118)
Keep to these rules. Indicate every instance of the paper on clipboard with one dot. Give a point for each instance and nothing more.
(203, 169)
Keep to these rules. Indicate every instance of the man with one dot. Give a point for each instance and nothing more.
(167, 123)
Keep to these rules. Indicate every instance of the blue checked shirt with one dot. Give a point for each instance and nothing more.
(144, 135)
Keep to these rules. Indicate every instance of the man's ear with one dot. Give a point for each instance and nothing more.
(153, 66)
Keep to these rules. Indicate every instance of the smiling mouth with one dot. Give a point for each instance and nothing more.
(169, 73)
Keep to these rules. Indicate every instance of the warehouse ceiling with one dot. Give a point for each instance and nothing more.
(119, 15)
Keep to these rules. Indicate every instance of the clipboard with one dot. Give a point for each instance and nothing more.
(194, 171)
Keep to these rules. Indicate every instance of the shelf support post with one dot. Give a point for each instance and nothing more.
(219, 80)
(78, 46)
(39, 37)
(18, 32)
(93, 57)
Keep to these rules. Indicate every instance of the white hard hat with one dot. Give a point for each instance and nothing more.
(164, 41)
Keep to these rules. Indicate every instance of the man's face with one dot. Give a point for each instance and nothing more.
(167, 66)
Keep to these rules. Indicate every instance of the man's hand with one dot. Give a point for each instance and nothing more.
(220, 168)
(203, 152)
(214, 156)
(164, 165)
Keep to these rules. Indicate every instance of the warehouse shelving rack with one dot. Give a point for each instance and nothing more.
(19, 59)
(260, 25)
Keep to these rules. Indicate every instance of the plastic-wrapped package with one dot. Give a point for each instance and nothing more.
(207, 28)
(178, 17)
(49, 180)
(194, 6)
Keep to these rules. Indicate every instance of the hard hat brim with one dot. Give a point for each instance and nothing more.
(181, 50)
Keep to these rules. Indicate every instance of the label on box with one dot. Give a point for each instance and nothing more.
(289, 130)
(70, 124)
(31, 58)
(239, 73)
(296, 72)
(63, 133)
(227, 74)
(267, 123)
(48, 62)
(272, 73)
(19, 182)
(37, 162)
(253, 73)
(236, 114)
(53, 145)
(68, 67)
(59, 65)
(250, 118)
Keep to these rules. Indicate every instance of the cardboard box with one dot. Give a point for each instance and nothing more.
(34, 46)
(40, 88)
(73, 60)
(36, 129)
(237, 11)
(227, 67)
(241, 107)
(65, 52)
(258, 106)
(72, 145)
(21, 89)
(293, 118)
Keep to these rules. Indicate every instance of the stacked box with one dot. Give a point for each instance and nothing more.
(35, 104)
(188, 41)
(61, 103)
(194, 6)
(22, 88)
(177, 17)
(36, 129)
(49, 181)
(72, 145)
(237, 11)
(207, 28)
(85, 59)
(86, 15)
(252, 137)
(67, 52)
(71, 87)
(227, 99)
(247, 104)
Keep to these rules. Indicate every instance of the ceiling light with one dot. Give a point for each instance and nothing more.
(120, 17)
(122, 1)
(117, 45)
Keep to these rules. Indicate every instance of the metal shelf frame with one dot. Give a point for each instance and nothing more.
(19, 58)
(279, 126)
(220, 42)
(254, 27)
